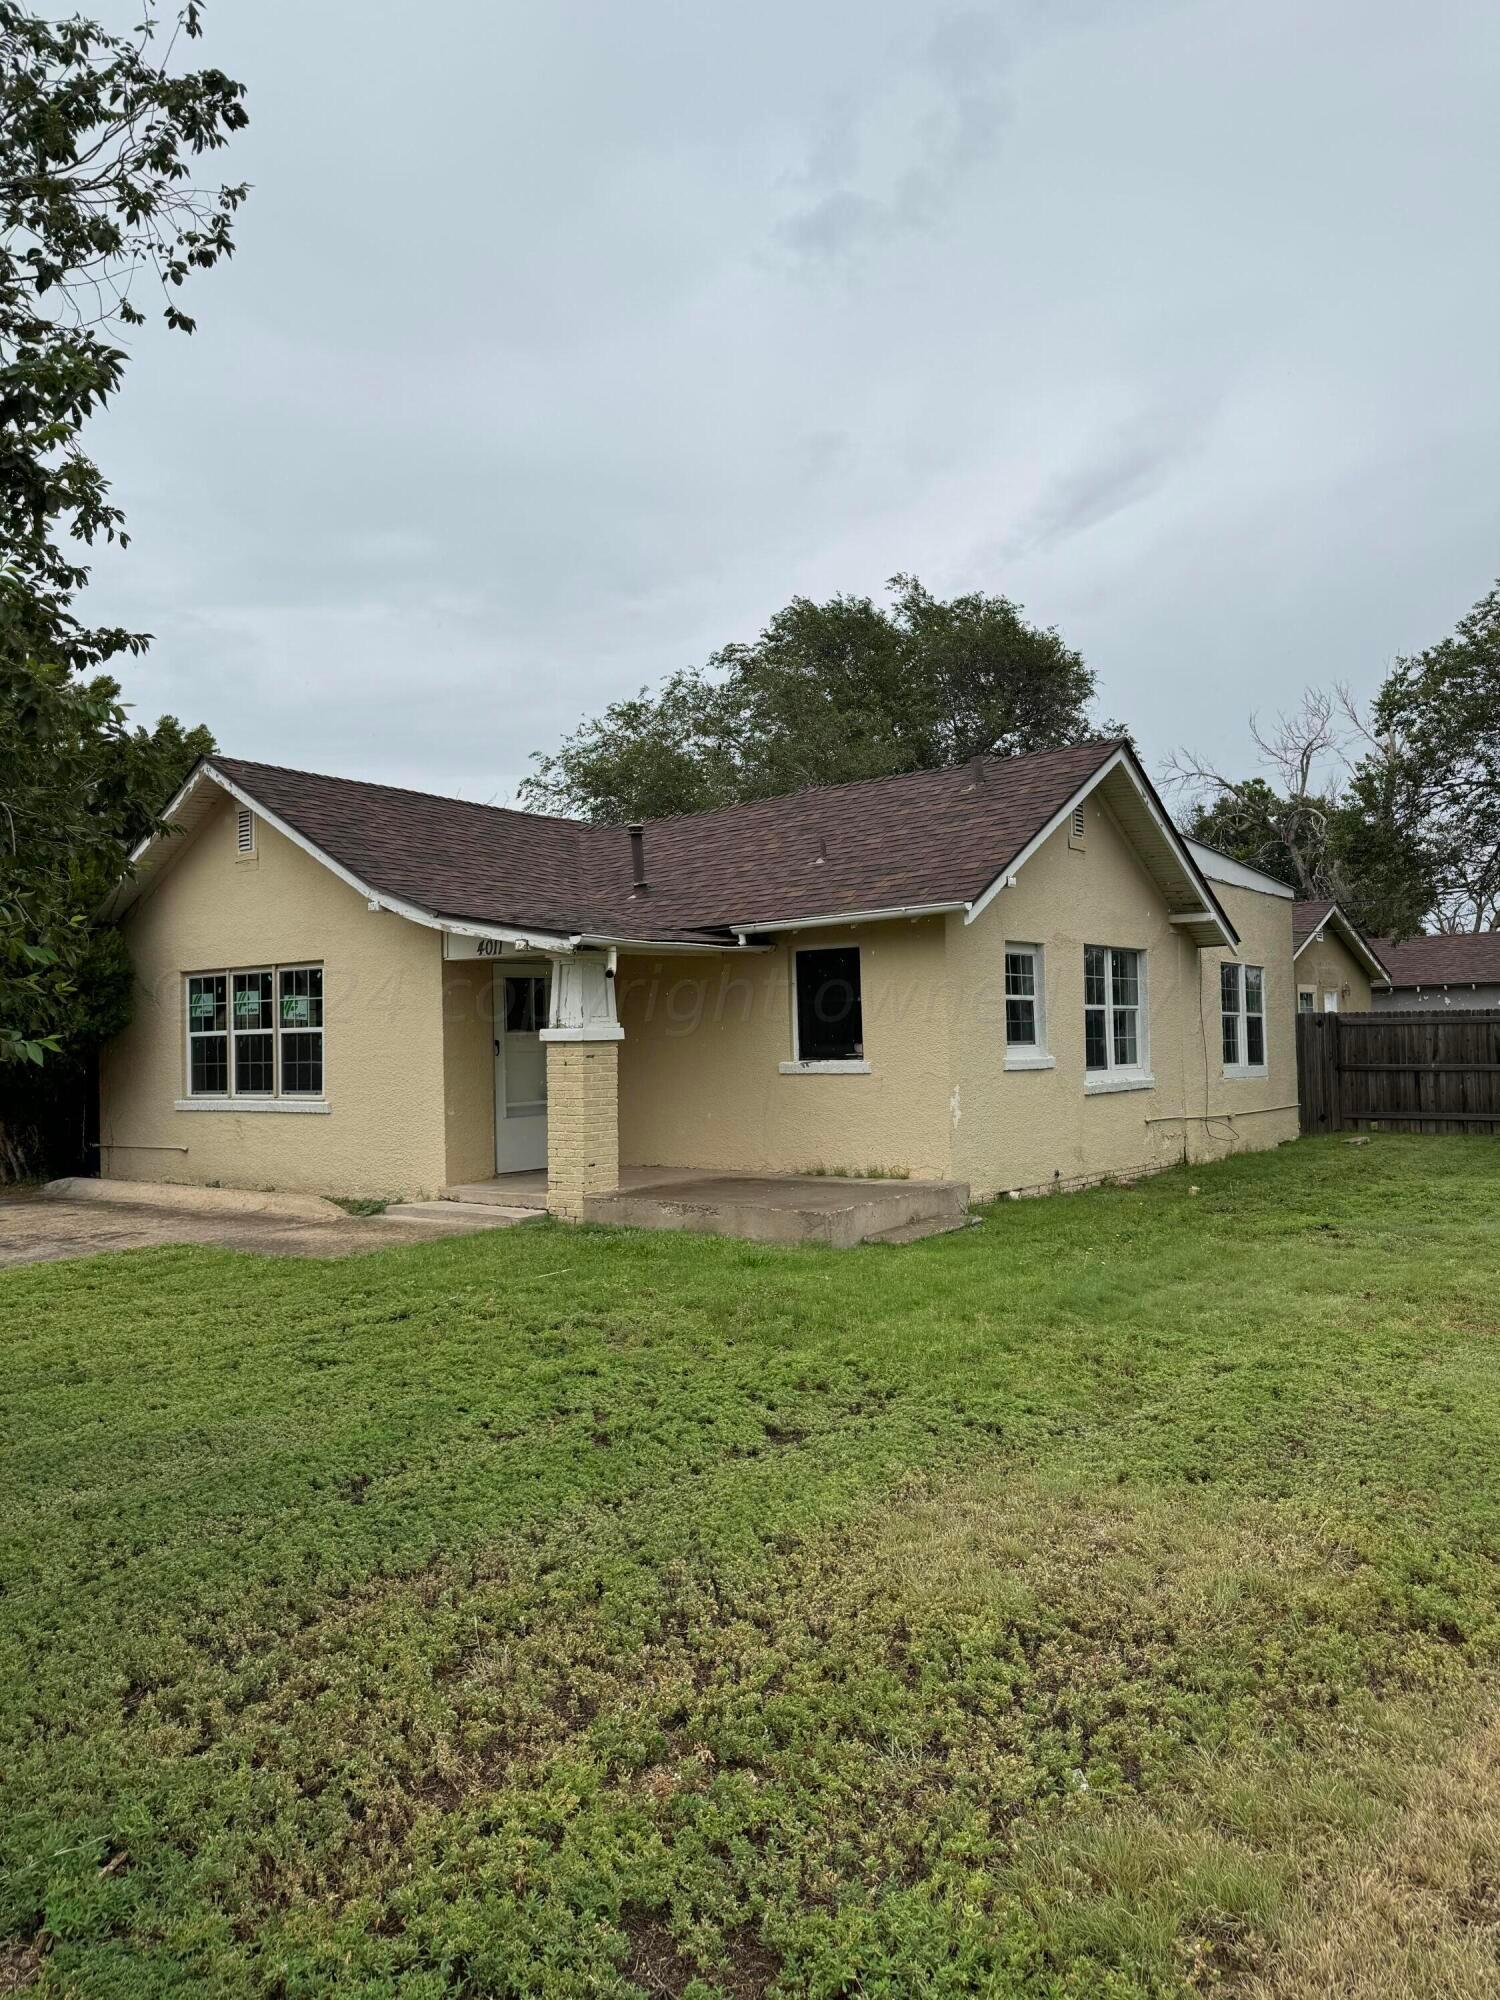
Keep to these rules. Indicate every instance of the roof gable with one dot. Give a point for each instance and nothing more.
(927, 840)
(1311, 919)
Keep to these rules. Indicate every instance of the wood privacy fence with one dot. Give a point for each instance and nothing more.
(1405, 1072)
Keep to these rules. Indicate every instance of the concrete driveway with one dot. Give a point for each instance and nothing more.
(84, 1218)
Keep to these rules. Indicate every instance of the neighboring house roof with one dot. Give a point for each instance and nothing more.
(1311, 919)
(1467, 958)
(928, 840)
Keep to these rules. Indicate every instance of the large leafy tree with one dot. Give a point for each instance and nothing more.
(102, 222)
(1442, 708)
(844, 689)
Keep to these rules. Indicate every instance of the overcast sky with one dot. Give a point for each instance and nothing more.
(567, 342)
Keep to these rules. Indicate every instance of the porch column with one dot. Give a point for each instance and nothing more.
(582, 1039)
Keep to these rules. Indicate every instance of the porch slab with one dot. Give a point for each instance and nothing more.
(795, 1209)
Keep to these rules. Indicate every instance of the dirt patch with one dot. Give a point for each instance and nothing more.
(37, 1230)
(20, 1964)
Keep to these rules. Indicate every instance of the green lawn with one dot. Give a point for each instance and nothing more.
(1100, 1602)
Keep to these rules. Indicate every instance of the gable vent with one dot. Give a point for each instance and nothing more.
(1078, 822)
(244, 838)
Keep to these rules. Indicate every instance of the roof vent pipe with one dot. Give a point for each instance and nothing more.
(638, 854)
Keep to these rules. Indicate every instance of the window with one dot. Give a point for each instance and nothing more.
(1242, 1018)
(525, 1005)
(254, 1044)
(208, 1049)
(1114, 1040)
(1025, 1008)
(244, 832)
(256, 1035)
(302, 1031)
(1307, 1000)
(829, 1018)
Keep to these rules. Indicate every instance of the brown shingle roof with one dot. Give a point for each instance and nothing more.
(929, 837)
(1468, 958)
(1309, 917)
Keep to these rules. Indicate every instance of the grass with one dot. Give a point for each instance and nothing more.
(1099, 1602)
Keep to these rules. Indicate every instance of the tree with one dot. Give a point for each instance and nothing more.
(97, 196)
(1443, 709)
(1326, 821)
(827, 692)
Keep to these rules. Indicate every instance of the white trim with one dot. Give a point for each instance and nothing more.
(1236, 874)
(1101, 1083)
(1136, 1075)
(854, 1066)
(1033, 1054)
(252, 1104)
(1121, 758)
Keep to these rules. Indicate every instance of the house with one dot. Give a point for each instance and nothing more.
(1337, 966)
(1014, 974)
(1458, 971)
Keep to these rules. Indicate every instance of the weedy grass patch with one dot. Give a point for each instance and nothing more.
(1103, 1601)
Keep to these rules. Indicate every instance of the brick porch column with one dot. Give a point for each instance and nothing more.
(582, 1038)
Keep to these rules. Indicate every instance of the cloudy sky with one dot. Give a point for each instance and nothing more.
(566, 342)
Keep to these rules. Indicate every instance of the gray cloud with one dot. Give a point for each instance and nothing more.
(566, 344)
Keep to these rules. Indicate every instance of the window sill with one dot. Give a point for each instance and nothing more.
(855, 1066)
(1038, 1061)
(1103, 1085)
(238, 1104)
(1244, 1072)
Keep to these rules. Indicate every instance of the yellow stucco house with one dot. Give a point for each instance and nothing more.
(1338, 968)
(1015, 974)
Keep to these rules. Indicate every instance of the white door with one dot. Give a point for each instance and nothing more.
(1330, 1003)
(520, 1071)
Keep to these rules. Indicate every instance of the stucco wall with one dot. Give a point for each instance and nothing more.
(1030, 1129)
(383, 1033)
(1235, 1113)
(1328, 965)
(700, 1084)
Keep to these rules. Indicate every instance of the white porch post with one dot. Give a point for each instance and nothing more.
(582, 1038)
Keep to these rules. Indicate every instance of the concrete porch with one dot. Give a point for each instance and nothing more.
(758, 1208)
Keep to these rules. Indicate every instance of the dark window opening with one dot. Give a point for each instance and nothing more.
(830, 1020)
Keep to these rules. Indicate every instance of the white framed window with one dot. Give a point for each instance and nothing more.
(208, 1039)
(1307, 999)
(828, 1030)
(254, 1042)
(301, 1030)
(255, 1039)
(1242, 1018)
(1025, 1008)
(1116, 1042)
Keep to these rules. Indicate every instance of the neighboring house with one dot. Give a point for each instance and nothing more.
(1337, 965)
(1015, 974)
(1458, 971)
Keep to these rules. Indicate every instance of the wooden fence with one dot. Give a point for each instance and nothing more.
(1430, 1072)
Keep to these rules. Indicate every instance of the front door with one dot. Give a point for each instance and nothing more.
(520, 1071)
